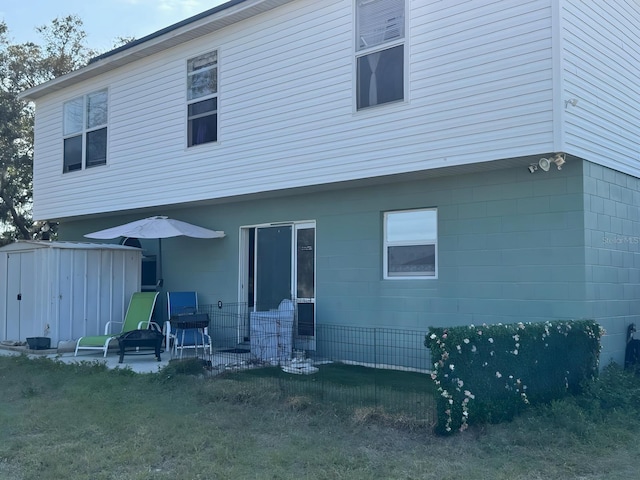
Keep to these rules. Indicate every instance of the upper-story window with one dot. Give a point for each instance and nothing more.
(202, 99)
(379, 52)
(85, 131)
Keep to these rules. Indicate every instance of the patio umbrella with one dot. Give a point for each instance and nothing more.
(156, 227)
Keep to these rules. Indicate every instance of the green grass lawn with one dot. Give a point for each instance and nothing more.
(341, 374)
(62, 421)
(401, 396)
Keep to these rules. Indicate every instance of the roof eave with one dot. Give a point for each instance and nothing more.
(194, 27)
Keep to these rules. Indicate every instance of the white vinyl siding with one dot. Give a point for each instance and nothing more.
(601, 72)
(479, 78)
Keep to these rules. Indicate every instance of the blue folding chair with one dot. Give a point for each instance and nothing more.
(181, 305)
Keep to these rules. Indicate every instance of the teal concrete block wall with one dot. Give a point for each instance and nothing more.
(511, 247)
(612, 254)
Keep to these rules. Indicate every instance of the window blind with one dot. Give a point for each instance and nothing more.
(379, 21)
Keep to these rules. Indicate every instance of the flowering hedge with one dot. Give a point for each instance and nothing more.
(489, 373)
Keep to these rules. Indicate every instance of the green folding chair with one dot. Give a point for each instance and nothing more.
(138, 317)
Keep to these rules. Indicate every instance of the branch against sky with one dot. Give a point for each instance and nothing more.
(24, 66)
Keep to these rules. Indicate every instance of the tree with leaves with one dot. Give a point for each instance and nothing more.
(23, 66)
(15, 166)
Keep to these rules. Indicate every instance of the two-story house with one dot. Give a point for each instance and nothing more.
(397, 163)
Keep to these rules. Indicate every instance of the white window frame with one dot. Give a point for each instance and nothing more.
(85, 129)
(192, 100)
(429, 236)
(363, 50)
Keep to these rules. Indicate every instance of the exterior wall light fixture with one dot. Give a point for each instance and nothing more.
(544, 164)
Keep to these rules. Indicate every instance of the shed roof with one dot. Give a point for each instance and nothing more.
(22, 245)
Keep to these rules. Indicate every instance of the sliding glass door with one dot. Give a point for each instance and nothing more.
(305, 277)
(278, 262)
(273, 261)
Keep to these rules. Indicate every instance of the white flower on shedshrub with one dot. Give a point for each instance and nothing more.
(490, 340)
(466, 340)
(498, 375)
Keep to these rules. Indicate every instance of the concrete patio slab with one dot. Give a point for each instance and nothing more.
(139, 363)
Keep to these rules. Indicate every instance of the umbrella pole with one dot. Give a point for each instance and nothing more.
(160, 279)
(161, 314)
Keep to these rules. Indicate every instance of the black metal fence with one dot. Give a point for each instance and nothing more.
(384, 368)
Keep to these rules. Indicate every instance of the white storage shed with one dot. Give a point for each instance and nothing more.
(64, 290)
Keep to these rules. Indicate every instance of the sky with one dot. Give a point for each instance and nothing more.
(104, 21)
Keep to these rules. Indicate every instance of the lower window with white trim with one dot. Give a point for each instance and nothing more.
(410, 244)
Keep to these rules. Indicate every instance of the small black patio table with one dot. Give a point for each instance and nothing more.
(140, 341)
(191, 321)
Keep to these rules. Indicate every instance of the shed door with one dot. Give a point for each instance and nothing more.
(20, 297)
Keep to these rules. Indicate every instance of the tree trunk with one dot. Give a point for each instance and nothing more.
(18, 220)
